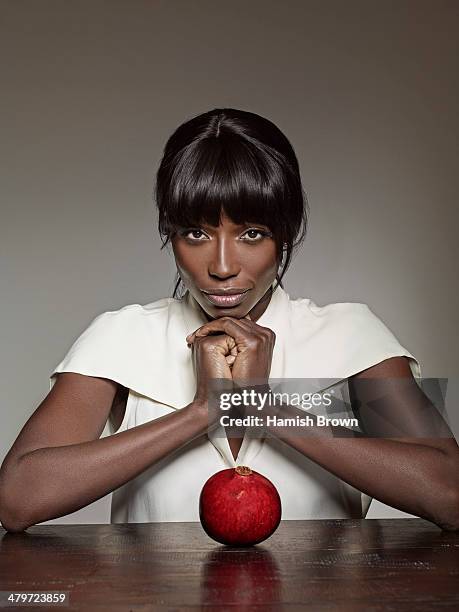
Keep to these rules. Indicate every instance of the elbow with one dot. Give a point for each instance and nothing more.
(11, 517)
(10, 521)
(13, 527)
(449, 517)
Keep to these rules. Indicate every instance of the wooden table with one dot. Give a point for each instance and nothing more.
(369, 564)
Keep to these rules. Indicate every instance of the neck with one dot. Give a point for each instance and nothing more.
(261, 305)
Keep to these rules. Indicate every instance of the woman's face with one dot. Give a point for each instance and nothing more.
(237, 257)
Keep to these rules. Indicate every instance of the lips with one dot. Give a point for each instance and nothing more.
(226, 300)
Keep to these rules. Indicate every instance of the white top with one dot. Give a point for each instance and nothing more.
(143, 347)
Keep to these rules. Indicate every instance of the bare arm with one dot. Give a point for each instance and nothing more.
(416, 475)
(58, 464)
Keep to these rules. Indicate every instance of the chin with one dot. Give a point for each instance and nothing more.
(227, 312)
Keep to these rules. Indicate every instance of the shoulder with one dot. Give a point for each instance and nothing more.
(125, 345)
(131, 315)
(349, 324)
(343, 315)
(350, 332)
(131, 310)
(125, 330)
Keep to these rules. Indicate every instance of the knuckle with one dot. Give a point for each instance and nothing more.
(205, 343)
(269, 333)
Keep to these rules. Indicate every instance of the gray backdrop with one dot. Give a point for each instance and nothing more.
(365, 90)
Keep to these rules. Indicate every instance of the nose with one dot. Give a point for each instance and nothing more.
(224, 262)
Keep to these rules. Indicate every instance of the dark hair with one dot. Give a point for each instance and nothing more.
(236, 161)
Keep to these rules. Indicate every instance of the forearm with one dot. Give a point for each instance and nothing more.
(416, 478)
(51, 482)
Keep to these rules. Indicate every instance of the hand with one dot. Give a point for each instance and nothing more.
(212, 356)
(251, 351)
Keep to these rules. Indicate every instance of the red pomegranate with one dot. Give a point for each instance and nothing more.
(239, 507)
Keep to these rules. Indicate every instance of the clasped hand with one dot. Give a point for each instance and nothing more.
(237, 350)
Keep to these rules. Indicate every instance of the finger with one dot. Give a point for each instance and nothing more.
(244, 322)
(253, 327)
(228, 325)
(192, 335)
(209, 328)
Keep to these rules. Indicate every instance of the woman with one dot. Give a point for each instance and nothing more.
(232, 206)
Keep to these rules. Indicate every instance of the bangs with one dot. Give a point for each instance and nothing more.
(250, 183)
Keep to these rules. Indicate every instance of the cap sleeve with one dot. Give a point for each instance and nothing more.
(105, 347)
(142, 348)
(376, 342)
(93, 352)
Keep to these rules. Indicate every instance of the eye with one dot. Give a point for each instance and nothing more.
(262, 233)
(196, 235)
(192, 231)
